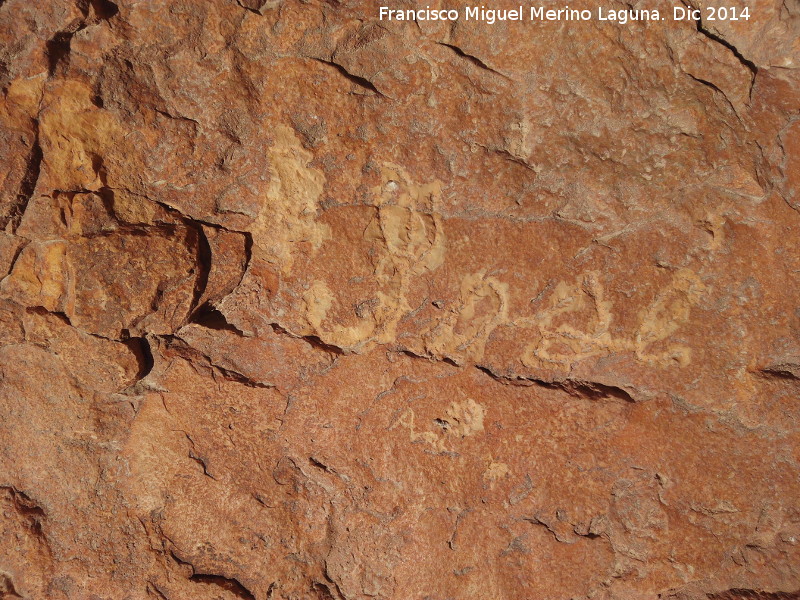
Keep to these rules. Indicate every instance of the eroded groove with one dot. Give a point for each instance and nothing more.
(474, 60)
(322, 591)
(559, 537)
(261, 6)
(312, 340)
(203, 257)
(23, 503)
(747, 594)
(248, 254)
(193, 355)
(336, 589)
(231, 585)
(782, 371)
(746, 63)
(42, 311)
(197, 458)
(29, 180)
(31, 512)
(592, 390)
(155, 592)
(715, 89)
(202, 464)
(447, 360)
(16, 255)
(7, 588)
(165, 230)
(506, 155)
(242, 379)
(358, 80)
(595, 390)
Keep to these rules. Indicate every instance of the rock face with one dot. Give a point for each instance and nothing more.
(296, 303)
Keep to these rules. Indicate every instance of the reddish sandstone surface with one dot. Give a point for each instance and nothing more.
(300, 304)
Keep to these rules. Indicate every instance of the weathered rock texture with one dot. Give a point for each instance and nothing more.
(296, 304)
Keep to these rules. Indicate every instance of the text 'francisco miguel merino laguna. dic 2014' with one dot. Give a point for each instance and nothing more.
(539, 13)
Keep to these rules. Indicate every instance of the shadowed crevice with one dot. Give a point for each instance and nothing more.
(782, 372)
(312, 340)
(104, 9)
(474, 60)
(57, 49)
(7, 589)
(591, 390)
(360, 81)
(29, 181)
(230, 585)
(203, 259)
(748, 64)
(211, 318)
(748, 594)
(140, 348)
